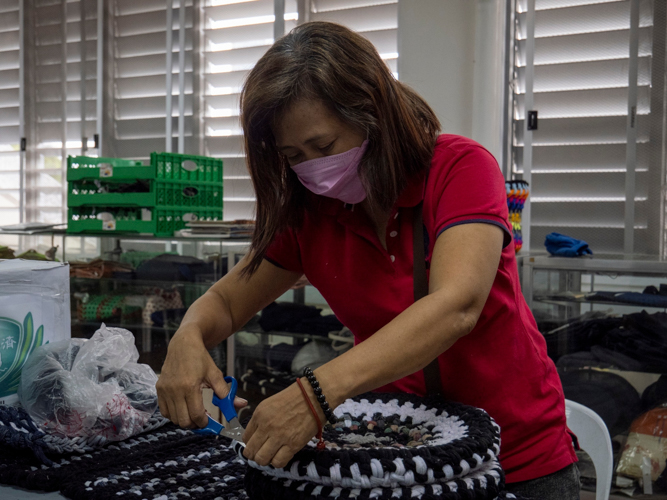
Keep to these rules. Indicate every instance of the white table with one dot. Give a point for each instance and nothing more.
(14, 493)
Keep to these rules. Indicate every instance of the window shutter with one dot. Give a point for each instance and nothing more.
(230, 36)
(57, 73)
(139, 42)
(236, 35)
(581, 71)
(9, 112)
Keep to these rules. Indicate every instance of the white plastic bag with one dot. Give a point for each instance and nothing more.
(89, 387)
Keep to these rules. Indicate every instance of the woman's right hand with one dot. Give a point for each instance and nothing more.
(188, 369)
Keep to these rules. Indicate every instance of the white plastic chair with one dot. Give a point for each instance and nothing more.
(594, 439)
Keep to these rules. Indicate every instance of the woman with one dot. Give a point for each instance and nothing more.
(342, 156)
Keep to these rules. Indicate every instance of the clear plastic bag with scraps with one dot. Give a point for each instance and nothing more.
(85, 388)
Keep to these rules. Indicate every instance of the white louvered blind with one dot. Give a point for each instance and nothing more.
(9, 112)
(581, 94)
(224, 39)
(236, 35)
(139, 94)
(56, 96)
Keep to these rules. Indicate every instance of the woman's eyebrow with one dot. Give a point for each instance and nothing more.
(314, 138)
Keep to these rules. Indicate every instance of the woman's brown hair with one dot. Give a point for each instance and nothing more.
(330, 63)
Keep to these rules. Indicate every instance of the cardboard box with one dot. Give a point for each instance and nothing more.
(34, 310)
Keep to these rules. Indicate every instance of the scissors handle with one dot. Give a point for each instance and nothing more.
(226, 404)
(213, 427)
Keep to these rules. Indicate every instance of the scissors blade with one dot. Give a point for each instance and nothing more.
(233, 430)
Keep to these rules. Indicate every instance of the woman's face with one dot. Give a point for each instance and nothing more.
(309, 129)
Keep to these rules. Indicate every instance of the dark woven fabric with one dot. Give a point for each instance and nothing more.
(19, 431)
(259, 486)
(169, 463)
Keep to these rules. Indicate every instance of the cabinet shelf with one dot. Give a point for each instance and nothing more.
(141, 283)
(564, 300)
(138, 327)
(610, 358)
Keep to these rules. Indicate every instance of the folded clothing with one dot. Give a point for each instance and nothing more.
(561, 245)
(279, 356)
(636, 298)
(266, 381)
(168, 267)
(636, 342)
(599, 357)
(655, 394)
(168, 317)
(609, 395)
(297, 318)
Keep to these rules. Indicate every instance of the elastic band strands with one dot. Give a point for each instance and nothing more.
(320, 443)
(308, 373)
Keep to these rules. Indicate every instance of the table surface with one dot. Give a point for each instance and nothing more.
(14, 493)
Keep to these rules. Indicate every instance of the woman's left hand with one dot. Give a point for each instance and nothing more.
(280, 426)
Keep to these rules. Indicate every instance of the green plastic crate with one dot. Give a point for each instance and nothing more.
(162, 194)
(158, 221)
(86, 167)
(177, 185)
(178, 167)
(168, 166)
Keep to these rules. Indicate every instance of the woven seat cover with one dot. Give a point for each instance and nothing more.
(390, 446)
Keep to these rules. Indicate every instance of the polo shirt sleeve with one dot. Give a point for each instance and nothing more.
(469, 188)
(284, 252)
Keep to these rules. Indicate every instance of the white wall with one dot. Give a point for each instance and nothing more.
(452, 52)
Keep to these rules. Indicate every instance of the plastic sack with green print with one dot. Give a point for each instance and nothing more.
(34, 310)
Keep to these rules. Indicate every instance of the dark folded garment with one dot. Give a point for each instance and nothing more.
(279, 317)
(635, 298)
(297, 318)
(609, 395)
(265, 381)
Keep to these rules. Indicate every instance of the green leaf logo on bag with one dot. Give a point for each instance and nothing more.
(17, 342)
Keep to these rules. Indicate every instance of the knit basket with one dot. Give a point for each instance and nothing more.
(392, 446)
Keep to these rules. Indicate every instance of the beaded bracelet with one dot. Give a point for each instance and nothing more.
(320, 440)
(328, 414)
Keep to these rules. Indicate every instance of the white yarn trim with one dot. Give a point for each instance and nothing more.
(417, 491)
(447, 428)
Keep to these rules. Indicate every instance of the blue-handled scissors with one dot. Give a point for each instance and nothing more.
(233, 429)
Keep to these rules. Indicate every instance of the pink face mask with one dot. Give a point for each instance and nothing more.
(335, 176)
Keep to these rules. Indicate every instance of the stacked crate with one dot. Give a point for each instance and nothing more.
(124, 196)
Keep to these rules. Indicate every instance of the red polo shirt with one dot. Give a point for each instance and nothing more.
(502, 365)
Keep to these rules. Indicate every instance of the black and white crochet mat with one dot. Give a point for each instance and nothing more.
(393, 446)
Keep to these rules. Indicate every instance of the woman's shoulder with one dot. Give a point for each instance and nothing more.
(454, 145)
(452, 151)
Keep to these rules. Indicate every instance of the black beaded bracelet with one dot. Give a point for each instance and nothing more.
(328, 414)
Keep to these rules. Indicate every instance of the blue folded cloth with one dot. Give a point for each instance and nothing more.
(561, 245)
